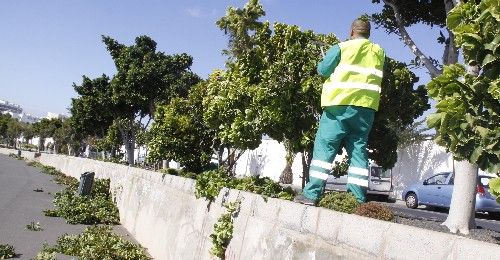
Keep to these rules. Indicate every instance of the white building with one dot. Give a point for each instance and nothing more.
(51, 115)
(7, 106)
(16, 111)
(415, 163)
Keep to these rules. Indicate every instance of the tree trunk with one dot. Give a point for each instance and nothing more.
(40, 144)
(462, 208)
(128, 138)
(164, 164)
(70, 150)
(220, 154)
(286, 176)
(129, 147)
(405, 36)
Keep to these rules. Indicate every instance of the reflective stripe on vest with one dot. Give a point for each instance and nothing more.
(357, 79)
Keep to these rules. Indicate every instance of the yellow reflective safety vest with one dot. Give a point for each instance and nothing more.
(357, 79)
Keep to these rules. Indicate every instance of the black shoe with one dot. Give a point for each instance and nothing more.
(303, 200)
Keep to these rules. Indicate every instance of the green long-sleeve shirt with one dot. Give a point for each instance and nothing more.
(329, 62)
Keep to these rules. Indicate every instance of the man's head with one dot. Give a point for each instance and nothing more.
(360, 28)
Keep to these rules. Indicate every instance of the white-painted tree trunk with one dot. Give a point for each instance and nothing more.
(164, 164)
(462, 209)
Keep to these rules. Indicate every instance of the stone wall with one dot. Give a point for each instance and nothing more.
(162, 213)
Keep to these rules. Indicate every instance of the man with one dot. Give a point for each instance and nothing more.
(349, 99)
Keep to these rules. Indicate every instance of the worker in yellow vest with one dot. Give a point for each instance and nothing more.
(350, 97)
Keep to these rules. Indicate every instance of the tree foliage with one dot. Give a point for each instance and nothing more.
(271, 87)
(400, 105)
(179, 132)
(4, 120)
(126, 103)
(397, 15)
(92, 111)
(428, 12)
(146, 77)
(467, 119)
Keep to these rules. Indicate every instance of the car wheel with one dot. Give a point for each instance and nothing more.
(411, 200)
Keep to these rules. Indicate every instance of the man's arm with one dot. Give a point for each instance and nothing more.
(330, 61)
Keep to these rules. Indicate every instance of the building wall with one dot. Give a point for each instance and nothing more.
(415, 163)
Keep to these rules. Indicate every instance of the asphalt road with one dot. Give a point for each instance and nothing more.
(20, 204)
(439, 215)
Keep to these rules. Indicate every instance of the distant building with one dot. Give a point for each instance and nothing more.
(16, 111)
(6, 106)
(51, 115)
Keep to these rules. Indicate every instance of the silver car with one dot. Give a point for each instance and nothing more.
(379, 182)
(436, 191)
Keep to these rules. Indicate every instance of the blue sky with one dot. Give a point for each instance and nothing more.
(45, 46)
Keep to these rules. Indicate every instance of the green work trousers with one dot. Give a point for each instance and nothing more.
(350, 126)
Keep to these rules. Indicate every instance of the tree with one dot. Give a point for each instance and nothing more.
(65, 138)
(93, 111)
(14, 130)
(467, 119)
(144, 79)
(400, 105)
(111, 142)
(28, 132)
(179, 132)
(397, 15)
(4, 120)
(271, 87)
(46, 128)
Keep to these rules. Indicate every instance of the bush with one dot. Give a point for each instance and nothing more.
(97, 242)
(186, 174)
(182, 173)
(264, 186)
(170, 171)
(6, 251)
(98, 208)
(13, 155)
(375, 210)
(209, 184)
(339, 201)
(59, 177)
(223, 229)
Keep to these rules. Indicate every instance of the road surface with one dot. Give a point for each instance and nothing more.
(20, 204)
(439, 215)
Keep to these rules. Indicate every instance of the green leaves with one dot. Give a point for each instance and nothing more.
(476, 29)
(223, 229)
(339, 201)
(95, 209)
(495, 188)
(209, 184)
(180, 133)
(270, 86)
(95, 243)
(400, 105)
(467, 119)
(6, 251)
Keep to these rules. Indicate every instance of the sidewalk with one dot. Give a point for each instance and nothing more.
(20, 204)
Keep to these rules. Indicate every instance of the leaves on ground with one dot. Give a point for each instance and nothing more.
(6, 251)
(95, 243)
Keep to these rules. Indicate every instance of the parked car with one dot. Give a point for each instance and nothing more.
(436, 191)
(379, 182)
